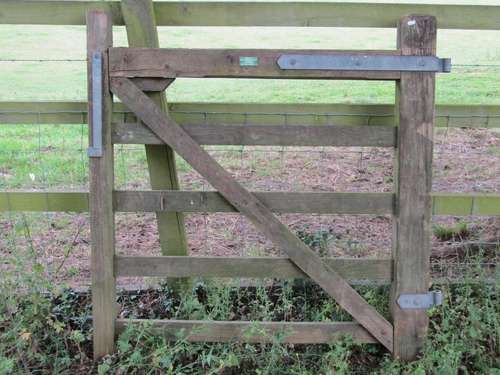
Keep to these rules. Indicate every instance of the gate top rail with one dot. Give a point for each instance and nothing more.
(246, 13)
(271, 63)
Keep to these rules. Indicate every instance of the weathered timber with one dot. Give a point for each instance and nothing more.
(48, 201)
(357, 271)
(282, 202)
(412, 235)
(341, 203)
(252, 332)
(469, 116)
(254, 209)
(102, 225)
(142, 32)
(250, 13)
(266, 135)
(60, 12)
(466, 204)
(153, 84)
(216, 63)
(58, 112)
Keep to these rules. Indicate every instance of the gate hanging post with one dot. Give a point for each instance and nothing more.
(415, 91)
(102, 221)
(140, 23)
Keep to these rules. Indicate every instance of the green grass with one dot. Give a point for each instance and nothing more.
(67, 80)
(457, 232)
(54, 156)
(41, 156)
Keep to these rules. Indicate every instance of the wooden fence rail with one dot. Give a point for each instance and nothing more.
(253, 332)
(193, 201)
(355, 270)
(65, 112)
(246, 13)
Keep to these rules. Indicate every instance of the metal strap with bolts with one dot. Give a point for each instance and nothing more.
(365, 62)
(420, 301)
(95, 150)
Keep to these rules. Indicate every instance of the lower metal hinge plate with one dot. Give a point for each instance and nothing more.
(420, 301)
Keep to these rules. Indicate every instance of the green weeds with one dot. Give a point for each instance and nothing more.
(44, 330)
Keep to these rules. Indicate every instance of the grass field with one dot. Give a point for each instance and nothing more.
(474, 81)
(67, 80)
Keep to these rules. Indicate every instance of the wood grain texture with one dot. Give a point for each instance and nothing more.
(253, 332)
(356, 271)
(253, 209)
(266, 135)
(46, 201)
(251, 13)
(186, 113)
(141, 29)
(449, 204)
(60, 12)
(282, 202)
(102, 220)
(216, 63)
(153, 84)
(412, 234)
(465, 204)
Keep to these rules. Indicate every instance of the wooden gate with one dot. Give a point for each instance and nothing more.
(128, 73)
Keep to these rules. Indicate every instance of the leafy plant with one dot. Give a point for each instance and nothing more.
(318, 241)
(47, 330)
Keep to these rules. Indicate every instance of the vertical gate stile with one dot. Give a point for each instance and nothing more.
(99, 39)
(413, 175)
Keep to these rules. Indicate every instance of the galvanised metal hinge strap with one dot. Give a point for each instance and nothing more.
(95, 150)
(365, 62)
(420, 301)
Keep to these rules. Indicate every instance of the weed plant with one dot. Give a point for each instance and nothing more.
(45, 329)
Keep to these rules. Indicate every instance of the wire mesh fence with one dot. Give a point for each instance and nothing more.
(53, 157)
(44, 156)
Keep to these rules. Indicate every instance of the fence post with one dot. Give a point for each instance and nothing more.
(142, 32)
(102, 226)
(413, 172)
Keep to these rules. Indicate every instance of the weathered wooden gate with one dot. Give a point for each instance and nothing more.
(128, 73)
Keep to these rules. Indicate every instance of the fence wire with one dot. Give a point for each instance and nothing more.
(53, 157)
(42, 159)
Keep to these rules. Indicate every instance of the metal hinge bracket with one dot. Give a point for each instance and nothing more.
(365, 63)
(95, 150)
(420, 301)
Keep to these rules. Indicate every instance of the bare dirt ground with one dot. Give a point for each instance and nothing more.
(465, 161)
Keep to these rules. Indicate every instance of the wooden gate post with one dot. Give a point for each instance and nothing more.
(142, 32)
(102, 222)
(413, 172)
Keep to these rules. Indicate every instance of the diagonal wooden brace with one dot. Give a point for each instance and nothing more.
(247, 204)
